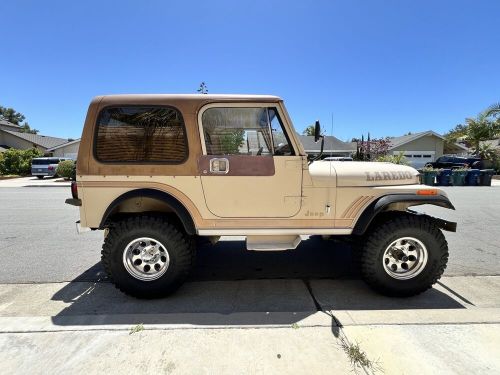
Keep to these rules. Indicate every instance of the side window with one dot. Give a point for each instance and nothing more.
(236, 131)
(244, 131)
(280, 140)
(140, 134)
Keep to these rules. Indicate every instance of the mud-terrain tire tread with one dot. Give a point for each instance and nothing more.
(383, 234)
(180, 247)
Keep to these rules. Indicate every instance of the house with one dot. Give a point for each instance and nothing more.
(422, 148)
(333, 146)
(6, 125)
(66, 150)
(12, 137)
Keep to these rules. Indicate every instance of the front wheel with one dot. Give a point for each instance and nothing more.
(146, 257)
(404, 256)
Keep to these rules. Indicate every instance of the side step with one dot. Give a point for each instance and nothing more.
(272, 243)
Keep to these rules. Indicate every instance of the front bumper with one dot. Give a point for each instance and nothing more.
(80, 229)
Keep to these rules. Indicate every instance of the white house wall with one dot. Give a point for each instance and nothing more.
(69, 151)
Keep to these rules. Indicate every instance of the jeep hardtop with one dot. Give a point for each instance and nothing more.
(157, 171)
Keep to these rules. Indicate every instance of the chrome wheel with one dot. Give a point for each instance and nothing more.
(146, 259)
(405, 258)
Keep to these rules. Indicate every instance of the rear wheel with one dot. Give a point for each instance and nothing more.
(146, 257)
(404, 256)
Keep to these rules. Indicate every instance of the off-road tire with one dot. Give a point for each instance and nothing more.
(180, 248)
(383, 234)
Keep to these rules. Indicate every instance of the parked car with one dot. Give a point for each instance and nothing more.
(41, 167)
(153, 202)
(451, 161)
(338, 158)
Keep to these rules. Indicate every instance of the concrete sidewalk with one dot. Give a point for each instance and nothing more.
(250, 326)
(34, 182)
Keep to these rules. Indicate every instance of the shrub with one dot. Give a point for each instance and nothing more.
(396, 159)
(15, 161)
(65, 168)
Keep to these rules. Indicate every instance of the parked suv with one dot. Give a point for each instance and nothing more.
(41, 167)
(157, 171)
(450, 161)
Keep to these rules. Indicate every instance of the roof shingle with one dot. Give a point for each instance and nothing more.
(331, 144)
(39, 140)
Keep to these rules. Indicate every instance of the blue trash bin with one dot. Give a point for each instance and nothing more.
(444, 177)
(485, 177)
(472, 177)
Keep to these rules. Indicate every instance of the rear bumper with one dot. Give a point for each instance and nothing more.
(73, 202)
(49, 174)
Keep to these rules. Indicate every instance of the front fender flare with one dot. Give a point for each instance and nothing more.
(401, 202)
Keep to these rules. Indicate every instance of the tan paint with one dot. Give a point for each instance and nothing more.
(322, 198)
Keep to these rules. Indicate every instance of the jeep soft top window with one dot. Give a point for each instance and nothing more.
(243, 131)
(140, 134)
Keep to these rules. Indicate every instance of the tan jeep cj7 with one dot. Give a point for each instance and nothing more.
(156, 171)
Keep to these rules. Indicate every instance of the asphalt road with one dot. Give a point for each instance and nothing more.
(39, 243)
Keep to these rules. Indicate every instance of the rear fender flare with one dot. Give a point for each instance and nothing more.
(178, 208)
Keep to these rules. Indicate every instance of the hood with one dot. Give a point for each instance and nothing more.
(361, 173)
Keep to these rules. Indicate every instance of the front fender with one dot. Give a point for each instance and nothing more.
(401, 202)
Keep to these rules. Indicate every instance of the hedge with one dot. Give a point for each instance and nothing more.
(13, 161)
(65, 168)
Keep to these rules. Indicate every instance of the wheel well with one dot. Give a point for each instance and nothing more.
(152, 202)
(398, 204)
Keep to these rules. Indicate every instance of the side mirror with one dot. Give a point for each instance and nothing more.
(317, 131)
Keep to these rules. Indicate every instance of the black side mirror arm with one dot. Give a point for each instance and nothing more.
(320, 152)
(317, 137)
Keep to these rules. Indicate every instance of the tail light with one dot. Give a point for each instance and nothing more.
(51, 168)
(74, 190)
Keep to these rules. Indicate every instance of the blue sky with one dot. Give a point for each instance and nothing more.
(385, 66)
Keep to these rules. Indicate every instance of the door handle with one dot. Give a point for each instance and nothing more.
(219, 165)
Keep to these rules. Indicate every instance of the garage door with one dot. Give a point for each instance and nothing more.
(418, 159)
(71, 155)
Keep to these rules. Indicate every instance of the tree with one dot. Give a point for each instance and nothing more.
(395, 159)
(25, 128)
(493, 111)
(459, 131)
(372, 149)
(309, 130)
(11, 115)
(482, 127)
(203, 89)
(232, 141)
(486, 152)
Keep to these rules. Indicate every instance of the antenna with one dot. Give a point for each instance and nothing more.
(331, 134)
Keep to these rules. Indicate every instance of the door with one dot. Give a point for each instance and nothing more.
(249, 168)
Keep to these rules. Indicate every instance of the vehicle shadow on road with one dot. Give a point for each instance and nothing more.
(233, 286)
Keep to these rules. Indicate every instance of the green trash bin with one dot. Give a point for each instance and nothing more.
(458, 177)
(429, 177)
(485, 177)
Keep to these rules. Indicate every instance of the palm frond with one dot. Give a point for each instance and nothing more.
(492, 110)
